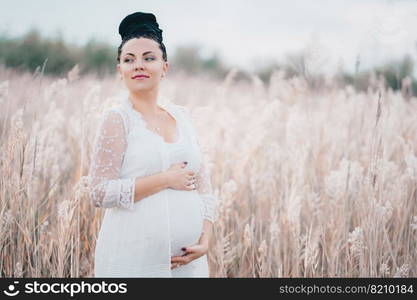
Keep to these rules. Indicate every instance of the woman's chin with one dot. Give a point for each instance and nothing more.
(137, 88)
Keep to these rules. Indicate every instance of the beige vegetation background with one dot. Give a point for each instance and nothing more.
(312, 182)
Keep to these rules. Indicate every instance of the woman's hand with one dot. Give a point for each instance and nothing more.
(197, 250)
(190, 253)
(179, 178)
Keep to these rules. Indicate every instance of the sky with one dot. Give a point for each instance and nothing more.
(246, 34)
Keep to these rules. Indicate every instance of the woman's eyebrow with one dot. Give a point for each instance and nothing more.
(144, 53)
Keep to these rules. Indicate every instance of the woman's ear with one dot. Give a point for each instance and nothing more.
(118, 71)
(166, 67)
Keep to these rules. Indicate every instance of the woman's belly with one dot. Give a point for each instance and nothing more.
(185, 219)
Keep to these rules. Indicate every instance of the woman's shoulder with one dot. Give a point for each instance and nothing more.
(115, 116)
(113, 112)
(115, 108)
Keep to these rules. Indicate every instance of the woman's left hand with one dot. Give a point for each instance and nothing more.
(190, 253)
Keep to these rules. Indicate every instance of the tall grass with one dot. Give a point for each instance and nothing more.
(313, 183)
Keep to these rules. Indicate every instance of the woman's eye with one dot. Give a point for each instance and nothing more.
(151, 58)
(127, 59)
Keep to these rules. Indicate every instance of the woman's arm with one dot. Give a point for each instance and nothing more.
(205, 189)
(205, 236)
(149, 185)
(106, 188)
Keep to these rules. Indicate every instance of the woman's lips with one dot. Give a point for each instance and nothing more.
(140, 77)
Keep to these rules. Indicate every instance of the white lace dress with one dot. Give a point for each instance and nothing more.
(137, 239)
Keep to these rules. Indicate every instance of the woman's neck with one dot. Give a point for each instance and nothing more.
(145, 103)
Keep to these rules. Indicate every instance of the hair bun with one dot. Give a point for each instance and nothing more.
(140, 22)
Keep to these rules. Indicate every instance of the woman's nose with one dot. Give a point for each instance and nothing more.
(139, 65)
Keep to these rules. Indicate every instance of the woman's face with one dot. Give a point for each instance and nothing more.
(141, 56)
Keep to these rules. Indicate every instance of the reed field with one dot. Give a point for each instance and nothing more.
(310, 182)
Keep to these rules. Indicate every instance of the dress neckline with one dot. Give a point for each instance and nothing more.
(168, 110)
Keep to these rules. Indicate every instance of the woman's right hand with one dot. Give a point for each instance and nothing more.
(179, 178)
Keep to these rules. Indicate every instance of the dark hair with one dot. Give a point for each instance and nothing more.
(147, 35)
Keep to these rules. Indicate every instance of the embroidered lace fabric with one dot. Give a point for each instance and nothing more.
(107, 189)
(204, 186)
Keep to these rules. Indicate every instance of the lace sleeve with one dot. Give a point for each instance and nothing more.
(205, 189)
(203, 176)
(106, 189)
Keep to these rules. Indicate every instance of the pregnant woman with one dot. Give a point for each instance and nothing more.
(148, 172)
